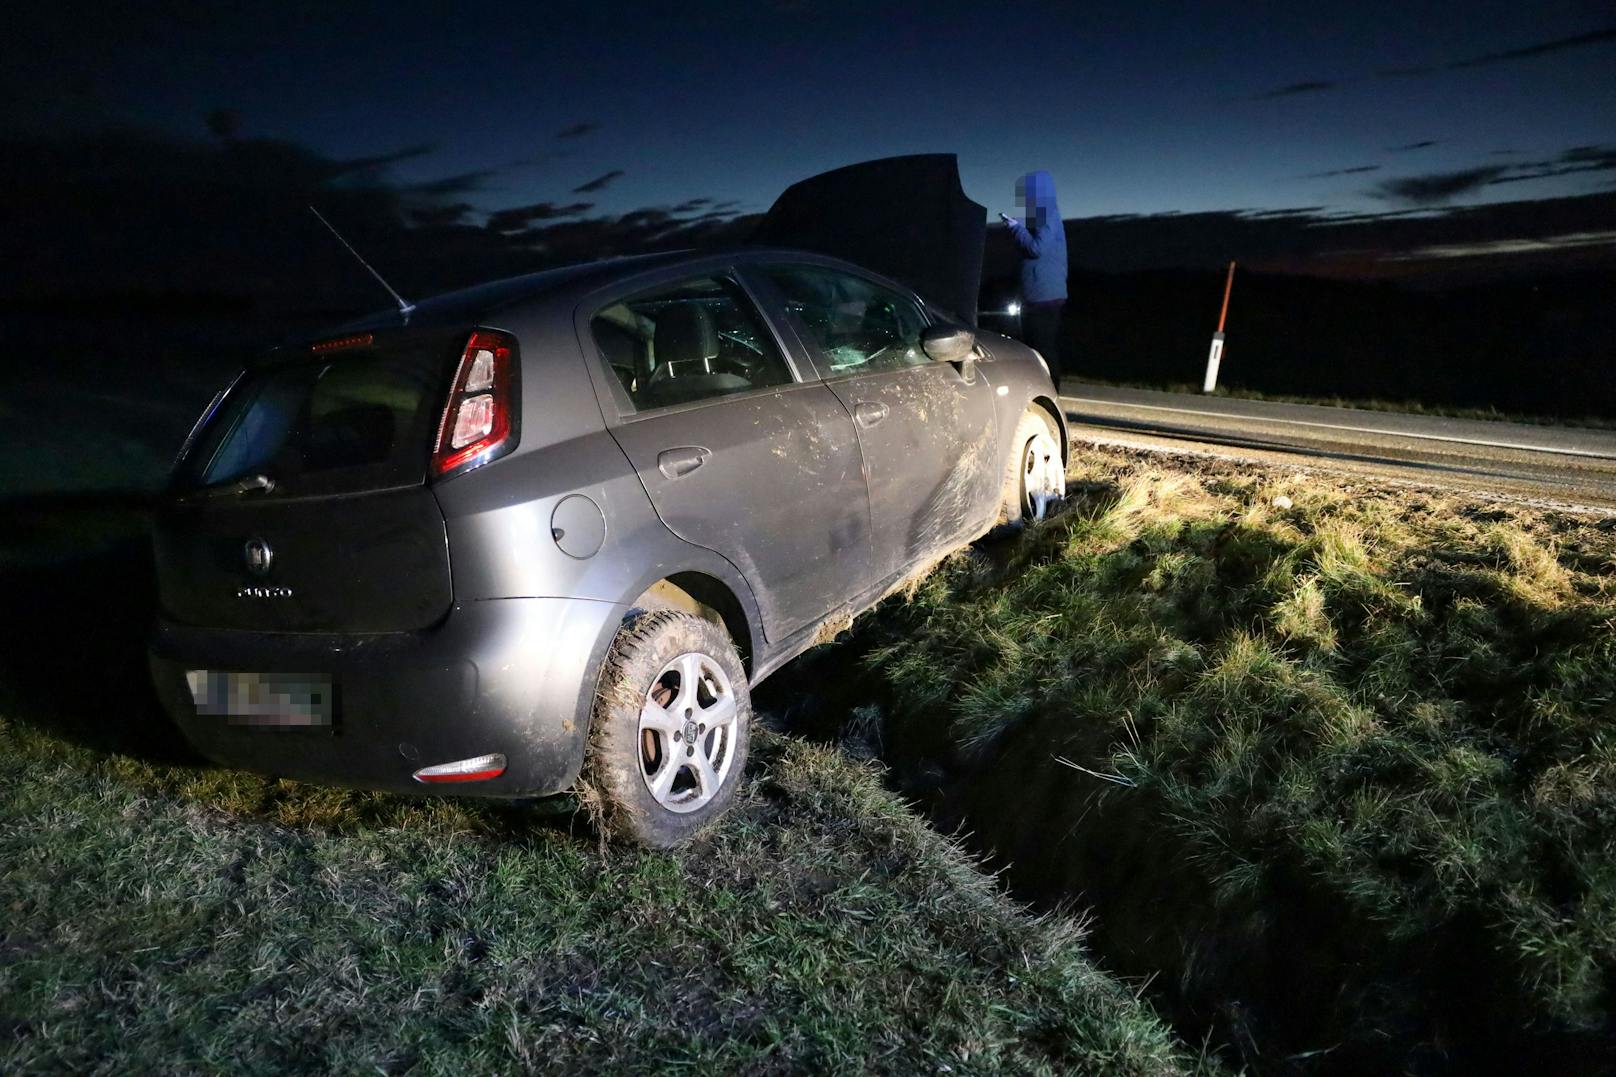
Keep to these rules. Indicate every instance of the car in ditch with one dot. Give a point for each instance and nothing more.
(554, 529)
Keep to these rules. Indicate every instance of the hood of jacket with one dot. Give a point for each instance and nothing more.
(1036, 191)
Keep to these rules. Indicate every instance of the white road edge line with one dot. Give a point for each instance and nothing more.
(1350, 429)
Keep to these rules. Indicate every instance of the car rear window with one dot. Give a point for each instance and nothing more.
(337, 423)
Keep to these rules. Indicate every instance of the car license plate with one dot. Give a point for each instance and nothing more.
(270, 700)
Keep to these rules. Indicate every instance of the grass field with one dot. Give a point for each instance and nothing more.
(1332, 764)
(162, 919)
(1338, 762)
(163, 916)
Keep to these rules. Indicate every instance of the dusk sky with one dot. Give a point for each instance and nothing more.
(1134, 108)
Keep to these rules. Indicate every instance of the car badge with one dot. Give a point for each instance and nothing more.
(259, 557)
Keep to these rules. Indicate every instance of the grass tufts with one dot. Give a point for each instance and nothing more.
(169, 918)
(1373, 725)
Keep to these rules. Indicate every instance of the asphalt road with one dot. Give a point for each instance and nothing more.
(1553, 465)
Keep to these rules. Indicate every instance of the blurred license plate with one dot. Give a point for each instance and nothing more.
(273, 700)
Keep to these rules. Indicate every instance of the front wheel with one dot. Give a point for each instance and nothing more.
(1034, 473)
(671, 726)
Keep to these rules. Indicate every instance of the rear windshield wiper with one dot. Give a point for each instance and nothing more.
(233, 489)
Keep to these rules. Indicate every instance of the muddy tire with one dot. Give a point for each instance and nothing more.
(671, 724)
(1034, 475)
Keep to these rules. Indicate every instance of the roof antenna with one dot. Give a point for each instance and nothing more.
(404, 307)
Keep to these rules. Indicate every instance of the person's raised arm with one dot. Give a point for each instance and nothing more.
(1028, 240)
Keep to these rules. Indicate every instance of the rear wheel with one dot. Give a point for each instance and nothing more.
(1034, 473)
(671, 726)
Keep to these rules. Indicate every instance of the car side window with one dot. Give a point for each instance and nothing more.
(688, 341)
(856, 324)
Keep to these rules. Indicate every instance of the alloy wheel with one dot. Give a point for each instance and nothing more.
(1043, 477)
(687, 732)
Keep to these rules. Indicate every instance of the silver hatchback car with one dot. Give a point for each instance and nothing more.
(554, 528)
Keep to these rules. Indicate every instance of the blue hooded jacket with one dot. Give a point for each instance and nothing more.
(1042, 238)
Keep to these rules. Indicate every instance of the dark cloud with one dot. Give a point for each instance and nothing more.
(577, 130)
(1437, 187)
(1336, 217)
(650, 218)
(439, 216)
(461, 183)
(598, 183)
(1294, 89)
(1593, 37)
(519, 217)
(1424, 144)
(1504, 153)
(1575, 160)
(381, 160)
(1267, 214)
(1603, 156)
(1525, 52)
(1386, 243)
(1353, 171)
(130, 212)
(647, 229)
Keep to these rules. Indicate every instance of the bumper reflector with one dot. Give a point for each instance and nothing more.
(478, 769)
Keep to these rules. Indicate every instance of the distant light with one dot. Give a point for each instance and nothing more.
(1013, 309)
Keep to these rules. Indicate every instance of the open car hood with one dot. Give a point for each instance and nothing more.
(905, 217)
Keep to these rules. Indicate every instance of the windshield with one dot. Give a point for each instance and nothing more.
(360, 420)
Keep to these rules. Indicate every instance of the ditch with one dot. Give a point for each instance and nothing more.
(1279, 975)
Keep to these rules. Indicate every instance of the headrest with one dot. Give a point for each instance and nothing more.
(685, 331)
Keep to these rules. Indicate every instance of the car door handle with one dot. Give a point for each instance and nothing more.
(681, 461)
(869, 414)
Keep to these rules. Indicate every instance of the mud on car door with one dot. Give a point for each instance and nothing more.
(736, 454)
(926, 428)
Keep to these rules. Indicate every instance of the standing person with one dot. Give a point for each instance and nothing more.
(1042, 239)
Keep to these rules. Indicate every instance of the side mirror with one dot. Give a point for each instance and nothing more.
(948, 343)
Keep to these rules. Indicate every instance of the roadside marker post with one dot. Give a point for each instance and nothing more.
(1215, 356)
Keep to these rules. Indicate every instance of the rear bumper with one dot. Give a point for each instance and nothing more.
(512, 676)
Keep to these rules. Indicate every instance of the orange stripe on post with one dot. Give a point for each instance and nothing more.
(1228, 286)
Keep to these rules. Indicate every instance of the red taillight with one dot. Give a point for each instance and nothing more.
(477, 420)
